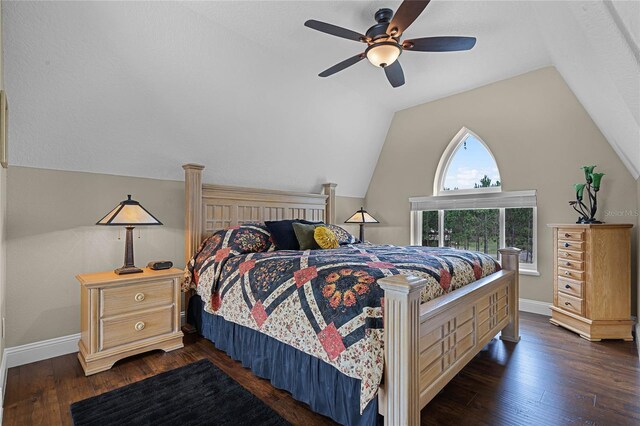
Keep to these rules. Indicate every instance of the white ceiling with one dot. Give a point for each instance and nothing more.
(140, 88)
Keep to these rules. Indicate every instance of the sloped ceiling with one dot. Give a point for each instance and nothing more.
(139, 88)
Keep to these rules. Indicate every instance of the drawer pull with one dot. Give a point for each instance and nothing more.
(567, 273)
(567, 303)
(567, 286)
(139, 297)
(567, 244)
(139, 326)
(568, 263)
(567, 235)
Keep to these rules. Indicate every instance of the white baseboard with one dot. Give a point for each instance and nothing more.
(37, 351)
(535, 307)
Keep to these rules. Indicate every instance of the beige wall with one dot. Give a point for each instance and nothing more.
(3, 225)
(539, 134)
(52, 237)
(3, 252)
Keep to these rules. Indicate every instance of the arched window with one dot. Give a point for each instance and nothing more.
(467, 165)
(469, 209)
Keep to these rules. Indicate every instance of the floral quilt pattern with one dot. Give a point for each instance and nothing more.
(326, 303)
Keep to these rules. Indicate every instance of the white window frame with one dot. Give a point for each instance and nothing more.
(445, 161)
(473, 198)
(525, 268)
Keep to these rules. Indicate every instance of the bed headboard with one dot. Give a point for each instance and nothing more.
(212, 207)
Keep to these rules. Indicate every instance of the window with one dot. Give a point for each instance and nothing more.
(467, 166)
(470, 211)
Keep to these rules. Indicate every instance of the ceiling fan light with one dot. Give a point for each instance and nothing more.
(383, 54)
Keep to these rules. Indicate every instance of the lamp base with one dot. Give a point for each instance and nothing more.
(127, 270)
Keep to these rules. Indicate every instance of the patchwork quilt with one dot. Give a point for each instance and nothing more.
(326, 303)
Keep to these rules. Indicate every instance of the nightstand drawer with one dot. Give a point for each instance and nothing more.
(574, 288)
(571, 245)
(121, 300)
(124, 329)
(570, 303)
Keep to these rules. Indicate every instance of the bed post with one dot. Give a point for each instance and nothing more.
(192, 220)
(510, 258)
(329, 189)
(402, 295)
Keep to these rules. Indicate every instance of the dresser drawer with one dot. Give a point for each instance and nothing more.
(571, 245)
(120, 300)
(570, 255)
(576, 265)
(116, 331)
(571, 234)
(574, 288)
(569, 273)
(570, 303)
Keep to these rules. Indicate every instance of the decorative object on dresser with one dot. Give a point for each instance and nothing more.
(128, 213)
(361, 217)
(124, 315)
(587, 214)
(592, 280)
(158, 265)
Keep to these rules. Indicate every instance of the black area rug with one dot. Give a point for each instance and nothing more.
(196, 394)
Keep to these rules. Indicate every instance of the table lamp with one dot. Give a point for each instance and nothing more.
(361, 217)
(128, 213)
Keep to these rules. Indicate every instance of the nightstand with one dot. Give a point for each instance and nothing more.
(124, 315)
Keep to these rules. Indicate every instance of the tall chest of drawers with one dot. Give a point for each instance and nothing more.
(124, 315)
(592, 280)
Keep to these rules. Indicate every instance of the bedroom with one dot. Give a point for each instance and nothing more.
(110, 99)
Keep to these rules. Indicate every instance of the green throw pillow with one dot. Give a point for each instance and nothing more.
(304, 234)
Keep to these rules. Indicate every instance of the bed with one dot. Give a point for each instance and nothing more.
(385, 343)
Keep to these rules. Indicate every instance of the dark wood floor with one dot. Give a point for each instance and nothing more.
(552, 377)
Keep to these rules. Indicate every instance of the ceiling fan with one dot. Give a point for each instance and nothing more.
(383, 40)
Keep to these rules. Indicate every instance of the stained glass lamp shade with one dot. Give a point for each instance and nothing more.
(129, 213)
(361, 217)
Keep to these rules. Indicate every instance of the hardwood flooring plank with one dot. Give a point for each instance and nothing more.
(552, 377)
(71, 384)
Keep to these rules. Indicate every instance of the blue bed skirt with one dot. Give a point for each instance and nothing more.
(310, 380)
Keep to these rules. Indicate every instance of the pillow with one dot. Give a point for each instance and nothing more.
(344, 237)
(283, 235)
(248, 238)
(325, 237)
(304, 235)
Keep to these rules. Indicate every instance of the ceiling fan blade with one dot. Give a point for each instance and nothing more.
(407, 12)
(439, 44)
(342, 65)
(335, 30)
(394, 74)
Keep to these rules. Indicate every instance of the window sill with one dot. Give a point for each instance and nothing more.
(531, 272)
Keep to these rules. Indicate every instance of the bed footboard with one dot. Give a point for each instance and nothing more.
(427, 345)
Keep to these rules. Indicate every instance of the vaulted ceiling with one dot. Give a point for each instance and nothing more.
(139, 88)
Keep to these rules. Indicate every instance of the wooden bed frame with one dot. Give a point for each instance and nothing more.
(426, 345)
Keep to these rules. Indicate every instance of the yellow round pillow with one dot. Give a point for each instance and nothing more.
(325, 238)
